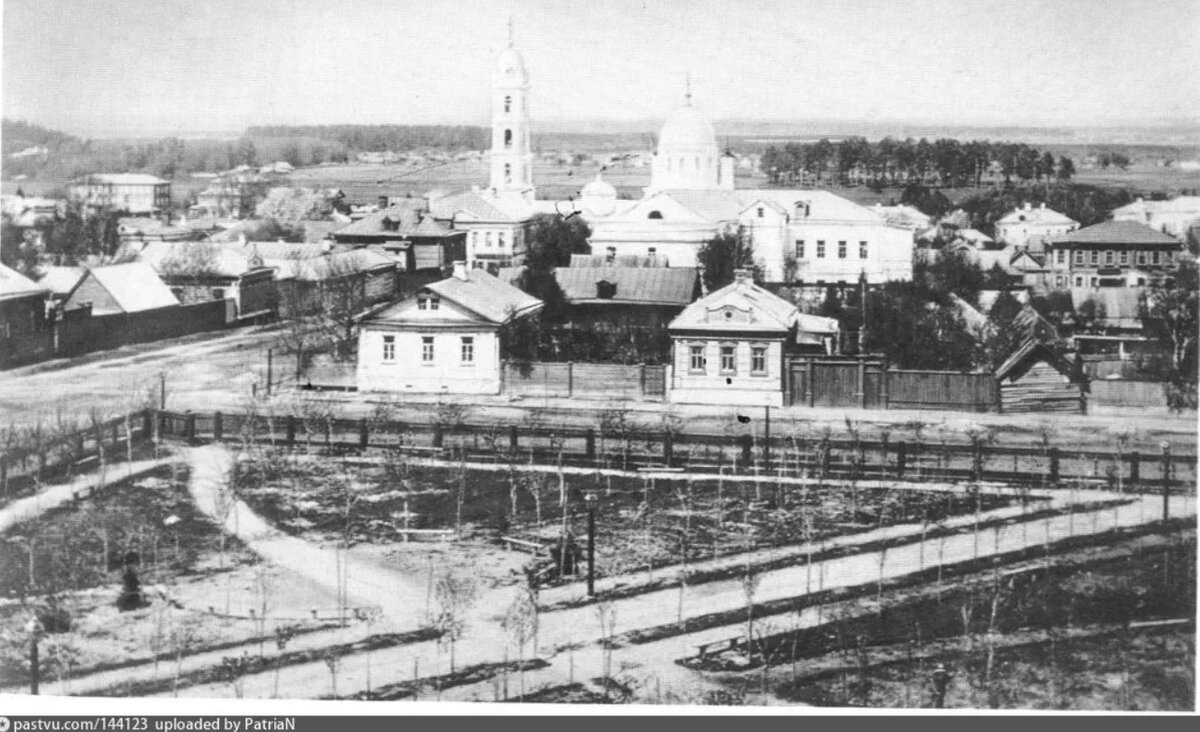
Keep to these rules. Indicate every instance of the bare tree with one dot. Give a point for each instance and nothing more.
(455, 596)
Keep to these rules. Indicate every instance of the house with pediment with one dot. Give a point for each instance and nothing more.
(731, 346)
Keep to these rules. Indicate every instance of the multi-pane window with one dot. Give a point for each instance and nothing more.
(1094, 257)
(1078, 257)
(841, 250)
(758, 360)
(389, 348)
(1154, 257)
(728, 359)
(427, 349)
(468, 349)
(1079, 281)
(433, 303)
(500, 239)
(1141, 257)
(1124, 256)
(820, 248)
(696, 359)
(799, 249)
(760, 212)
(1109, 256)
(422, 302)
(862, 250)
(1061, 256)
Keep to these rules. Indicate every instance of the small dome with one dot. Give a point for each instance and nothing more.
(599, 188)
(510, 66)
(686, 129)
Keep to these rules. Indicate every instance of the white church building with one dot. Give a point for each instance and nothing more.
(808, 236)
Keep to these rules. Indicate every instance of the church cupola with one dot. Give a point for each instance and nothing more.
(687, 156)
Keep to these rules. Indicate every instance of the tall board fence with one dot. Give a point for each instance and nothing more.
(867, 383)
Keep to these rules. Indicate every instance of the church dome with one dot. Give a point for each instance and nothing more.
(599, 188)
(510, 66)
(687, 129)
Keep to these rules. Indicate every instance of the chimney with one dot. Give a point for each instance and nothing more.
(460, 270)
(741, 276)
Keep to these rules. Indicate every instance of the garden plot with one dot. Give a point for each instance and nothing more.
(198, 585)
(641, 521)
(1114, 631)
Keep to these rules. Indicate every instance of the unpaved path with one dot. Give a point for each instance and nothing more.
(53, 496)
(486, 641)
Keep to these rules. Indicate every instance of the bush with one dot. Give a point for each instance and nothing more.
(1181, 395)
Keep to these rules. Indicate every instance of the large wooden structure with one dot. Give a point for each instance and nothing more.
(867, 383)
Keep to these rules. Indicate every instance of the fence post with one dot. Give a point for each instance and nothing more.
(513, 438)
(291, 431)
(977, 462)
(669, 448)
(901, 458)
(1054, 458)
(747, 443)
(1166, 479)
(884, 389)
(590, 441)
(862, 382)
(570, 378)
(1135, 468)
(437, 436)
(363, 433)
(147, 423)
(217, 427)
(189, 425)
(641, 380)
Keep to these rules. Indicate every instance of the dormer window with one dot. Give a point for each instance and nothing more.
(761, 211)
(427, 302)
(655, 215)
(606, 290)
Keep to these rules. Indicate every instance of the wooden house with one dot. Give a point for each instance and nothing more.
(1037, 378)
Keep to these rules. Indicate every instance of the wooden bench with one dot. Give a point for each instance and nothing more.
(533, 547)
(729, 644)
(86, 463)
(434, 534)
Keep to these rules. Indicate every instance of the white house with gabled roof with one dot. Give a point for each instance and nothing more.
(443, 338)
(730, 346)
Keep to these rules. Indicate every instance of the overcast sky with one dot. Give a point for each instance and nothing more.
(178, 66)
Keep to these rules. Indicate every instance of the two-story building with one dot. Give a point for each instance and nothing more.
(1110, 254)
(135, 193)
(445, 337)
(409, 234)
(1027, 222)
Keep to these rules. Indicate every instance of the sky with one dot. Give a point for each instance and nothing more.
(123, 67)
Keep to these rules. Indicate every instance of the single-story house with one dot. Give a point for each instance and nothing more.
(1039, 378)
(445, 337)
(202, 271)
(729, 347)
(133, 287)
(24, 327)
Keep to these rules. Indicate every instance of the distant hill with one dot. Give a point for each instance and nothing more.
(16, 136)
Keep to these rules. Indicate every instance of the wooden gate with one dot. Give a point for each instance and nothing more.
(837, 382)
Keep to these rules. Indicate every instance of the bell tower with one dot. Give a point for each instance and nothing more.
(512, 151)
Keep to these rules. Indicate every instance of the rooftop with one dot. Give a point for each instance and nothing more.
(14, 284)
(476, 291)
(1116, 232)
(135, 286)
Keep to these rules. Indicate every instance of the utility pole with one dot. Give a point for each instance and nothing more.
(162, 390)
(1166, 479)
(270, 354)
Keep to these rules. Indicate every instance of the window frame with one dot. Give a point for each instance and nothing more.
(467, 350)
(721, 354)
(428, 354)
(759, 351)
(799, 250)
(863, 251)
(389, 348)
(820, 248)
(697, 350)
(842, 249)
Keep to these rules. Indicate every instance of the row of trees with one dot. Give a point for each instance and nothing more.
(380, 138)
(944, 162)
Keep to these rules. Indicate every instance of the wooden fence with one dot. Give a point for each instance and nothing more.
(635, 446)
(597, 380)
(1107, 393)
(867, 383)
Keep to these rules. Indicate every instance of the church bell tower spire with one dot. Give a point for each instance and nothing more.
(512, 151)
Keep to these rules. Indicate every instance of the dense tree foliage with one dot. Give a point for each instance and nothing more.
(1084, 203)
(379, 138)
(891, 163)
(724, 253)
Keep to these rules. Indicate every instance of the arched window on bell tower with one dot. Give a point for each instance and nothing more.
(507, 173)
(508, 138)
(507, 105)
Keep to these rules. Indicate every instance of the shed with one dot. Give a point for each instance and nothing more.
(1038, 378)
